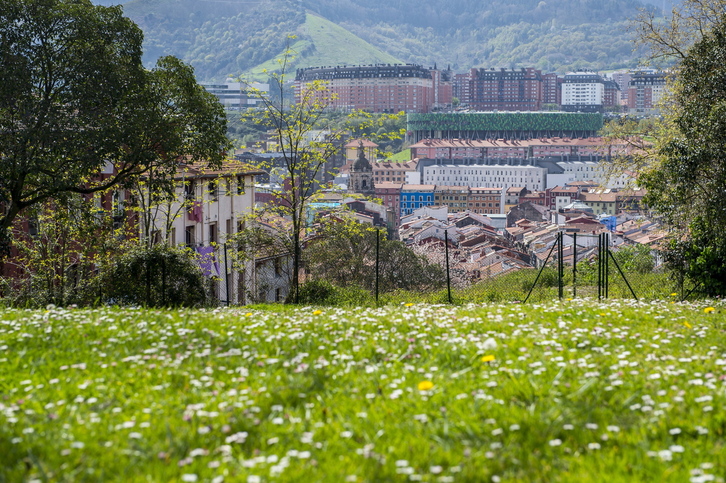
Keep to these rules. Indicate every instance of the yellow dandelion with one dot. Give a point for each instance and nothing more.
(409, 304)
(687, 325)
(317, 312)
(488, 358)
(425, 385)
(248, 314)
(674, 294)
(708, 310)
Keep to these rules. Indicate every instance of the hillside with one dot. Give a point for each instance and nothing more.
(321, 42)
(236, 37)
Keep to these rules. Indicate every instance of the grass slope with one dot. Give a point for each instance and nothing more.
(576, 391)
(322, 43)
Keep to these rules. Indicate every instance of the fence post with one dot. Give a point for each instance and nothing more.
(163, 281)
(448, 273)
(606, 242)
(560, 264)
(544, 265)
(378, 259)
(226, 272)
(599, 266)
(574, 265)
(148, 281)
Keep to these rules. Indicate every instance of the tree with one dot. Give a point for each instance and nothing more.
(689, 185)
(670, 39)
(684, 168)
(306, 139)
(343, 252)
(157, 276)
(76, 102)
(58, 262)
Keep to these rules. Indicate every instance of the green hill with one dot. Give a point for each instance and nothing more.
(321, 42)
(231, 37)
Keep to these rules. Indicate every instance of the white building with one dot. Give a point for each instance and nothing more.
(589, 171)
(238, 95)
(583, 91)
(210, 206)
(486, 176)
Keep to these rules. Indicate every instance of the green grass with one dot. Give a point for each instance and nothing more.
(576, 391)
(324, 43)
(403, 156)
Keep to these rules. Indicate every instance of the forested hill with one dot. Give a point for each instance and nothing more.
(232, 37)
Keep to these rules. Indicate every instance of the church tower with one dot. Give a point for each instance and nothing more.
(361, 174)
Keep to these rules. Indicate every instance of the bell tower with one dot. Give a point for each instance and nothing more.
(361, 174)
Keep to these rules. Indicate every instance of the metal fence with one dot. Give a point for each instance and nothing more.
(569, 265)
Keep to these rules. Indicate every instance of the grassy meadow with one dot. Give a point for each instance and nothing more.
(572, 391)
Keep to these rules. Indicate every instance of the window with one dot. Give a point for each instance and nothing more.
(189, 190)
(190, 236)
(213, 190)
(212, 233)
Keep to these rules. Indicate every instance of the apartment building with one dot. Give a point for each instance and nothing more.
(583, 91)
(386, 88)
(502, 89)
(645, 90)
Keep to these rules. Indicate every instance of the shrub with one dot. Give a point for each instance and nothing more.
(160, 276)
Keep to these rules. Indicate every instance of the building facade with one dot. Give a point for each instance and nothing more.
(486, 176)
(486, 200)
(415, 196)
(645, 90)
(238, 95)
(583, 92)
(503, 90)
(386, 88)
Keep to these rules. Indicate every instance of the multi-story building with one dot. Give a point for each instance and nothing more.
(561, 196)
(601, 201)
(486, 176)
(583, 91)
(504, 90)
(393, 172)
(645, 90)
(390, 195)
(611, 93)
(415, 196)
(486, 200)
(238, 95)
(453, 197)
(211, 206)
(377, 88)
(622, 79)
(460, 149)
(502, 125)
(551, 89)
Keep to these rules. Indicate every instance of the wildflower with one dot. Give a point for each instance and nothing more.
(425, 385)
(687, 325)
(189, 477)
(674, 294)
(708, 310)
(487, 358)
(555, 442)
(408, 304)
(317, 312)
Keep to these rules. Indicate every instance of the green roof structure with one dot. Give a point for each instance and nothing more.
(503, 125)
